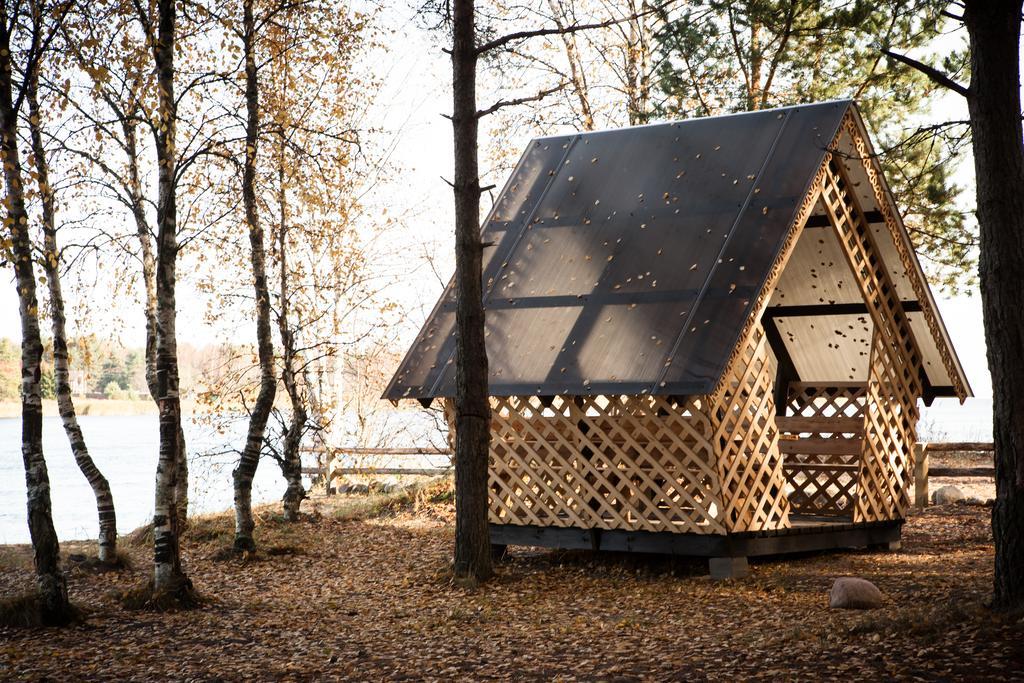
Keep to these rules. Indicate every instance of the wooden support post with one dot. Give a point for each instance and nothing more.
(728, 567)
(921, 475)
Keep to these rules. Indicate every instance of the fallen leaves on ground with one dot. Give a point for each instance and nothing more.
(370, 599)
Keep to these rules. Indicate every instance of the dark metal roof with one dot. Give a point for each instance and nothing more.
(627, 261)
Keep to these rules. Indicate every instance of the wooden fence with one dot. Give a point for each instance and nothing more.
(922, 469)
(328, 472)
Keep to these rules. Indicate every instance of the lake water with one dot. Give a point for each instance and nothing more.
(125, 450)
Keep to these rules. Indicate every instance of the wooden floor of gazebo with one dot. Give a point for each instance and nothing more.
(806, 534)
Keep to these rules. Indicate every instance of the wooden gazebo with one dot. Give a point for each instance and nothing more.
(706, 337)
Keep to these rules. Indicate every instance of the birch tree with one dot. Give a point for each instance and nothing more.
(260, 413)
(314, 156)
(301, 102)
(25, 35)
(107, 50)
(611, 72)
(50, 261)
(159, 24)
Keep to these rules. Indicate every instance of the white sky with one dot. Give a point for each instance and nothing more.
(413, 96)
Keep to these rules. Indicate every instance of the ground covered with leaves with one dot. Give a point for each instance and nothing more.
(361, 590)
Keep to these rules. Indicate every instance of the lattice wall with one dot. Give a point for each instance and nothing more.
(605, 462)
(749, 463)
(894, 383)
(822, 446)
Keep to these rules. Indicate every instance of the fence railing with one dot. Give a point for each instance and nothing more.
(923, 469)
(922, 466)
(329, 471)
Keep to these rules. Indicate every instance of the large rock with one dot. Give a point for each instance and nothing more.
(947, 495)
(852, 593)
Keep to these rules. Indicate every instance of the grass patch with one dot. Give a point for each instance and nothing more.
(216, 528)
(15, 557)
(211, 529)
(21, 611)
(181, 596)
(284, 551)
(229, 553)
(25, 610)
(141, 537)
(78, 562)
(358, 507)
(261, 553)
(922, 621)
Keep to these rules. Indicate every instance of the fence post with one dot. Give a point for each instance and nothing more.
(921, 475)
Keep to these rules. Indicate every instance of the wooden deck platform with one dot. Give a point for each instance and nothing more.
(806, 534)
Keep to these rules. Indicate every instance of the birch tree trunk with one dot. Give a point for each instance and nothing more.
(145, 237)
(51, 583)
(995, 108)
(107, 552)
(472, 407)
(250, 458)
(168, 575)
(144, 234)
(291, 459)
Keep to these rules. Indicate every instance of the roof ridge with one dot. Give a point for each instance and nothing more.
(676, 122)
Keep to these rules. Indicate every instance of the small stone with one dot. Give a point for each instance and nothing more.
(849, 592)
(947, 495)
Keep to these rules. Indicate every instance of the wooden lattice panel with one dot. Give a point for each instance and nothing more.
(749, 463)
(894, 383)
(822, 446)
(869, 164)
(835, 400)
(604, 462)
(890, 431)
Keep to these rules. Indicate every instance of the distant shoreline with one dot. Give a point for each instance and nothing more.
(95, 406)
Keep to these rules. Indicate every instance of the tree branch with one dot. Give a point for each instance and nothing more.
(561, 31)
(932, 73)
(500, 104)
